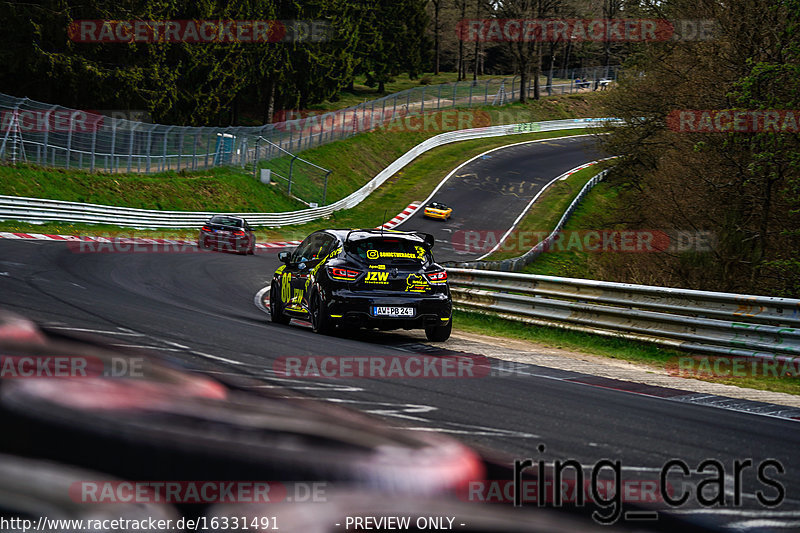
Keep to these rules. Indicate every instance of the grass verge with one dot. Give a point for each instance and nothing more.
(545, 214)
(659, 358)
(571, 262)
(217, 189)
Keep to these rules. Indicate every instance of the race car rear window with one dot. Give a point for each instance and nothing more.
(391, 250)
(227, 221)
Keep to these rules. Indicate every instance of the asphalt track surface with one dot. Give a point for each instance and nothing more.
(489, 193)
(198, 307)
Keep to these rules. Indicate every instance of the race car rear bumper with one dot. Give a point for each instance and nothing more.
(435, 214)
(354, 308)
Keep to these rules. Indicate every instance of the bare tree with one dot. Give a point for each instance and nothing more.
(437, 31)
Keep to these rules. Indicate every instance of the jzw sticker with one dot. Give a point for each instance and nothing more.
(377, 277)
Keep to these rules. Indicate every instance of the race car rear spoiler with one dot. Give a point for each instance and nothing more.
(426, 238)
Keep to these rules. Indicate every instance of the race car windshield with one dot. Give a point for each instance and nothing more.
(227, 221)
(392, 251)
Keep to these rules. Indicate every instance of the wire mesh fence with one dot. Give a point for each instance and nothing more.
(56, 136)
(298, 177)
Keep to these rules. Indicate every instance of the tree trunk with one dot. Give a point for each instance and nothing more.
(268, 100)
(537, 70)
(436, 39)
(462, 68)
(523, 80)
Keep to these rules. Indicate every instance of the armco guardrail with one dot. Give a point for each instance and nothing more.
(40, 210)
(699, 321)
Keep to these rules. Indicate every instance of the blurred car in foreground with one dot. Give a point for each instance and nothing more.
(228, 234)
(437, 210)
(372, 278)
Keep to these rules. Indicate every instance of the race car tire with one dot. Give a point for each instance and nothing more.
(36, 488)
(439, 333)
(275, 312)
(203, 244)
(321, 321)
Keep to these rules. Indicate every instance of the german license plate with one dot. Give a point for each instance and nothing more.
(392, 311)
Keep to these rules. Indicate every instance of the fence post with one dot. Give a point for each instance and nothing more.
(130, 148)
(255, 159)
(149, 147)
(422, 109)
(180, 148)
(164, 152)
(94, 145)
(113, 142)
(47, 131)
(325, 188)
(69, 137)
(291, 169)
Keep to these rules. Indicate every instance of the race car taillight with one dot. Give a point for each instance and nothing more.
(239, 233)
(438, 276)
(343, 273)
(206, 228)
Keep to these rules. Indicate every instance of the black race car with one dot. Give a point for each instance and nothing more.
(227, 233)
(371, 278)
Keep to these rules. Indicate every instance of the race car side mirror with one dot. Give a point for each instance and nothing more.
(284, 257)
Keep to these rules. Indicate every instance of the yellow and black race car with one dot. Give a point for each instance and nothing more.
(437, 210)
(370, 278)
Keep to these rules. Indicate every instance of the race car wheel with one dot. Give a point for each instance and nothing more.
(203, 244)
(252, 250)
(439, 333)
(275, 311)
(320, 318)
